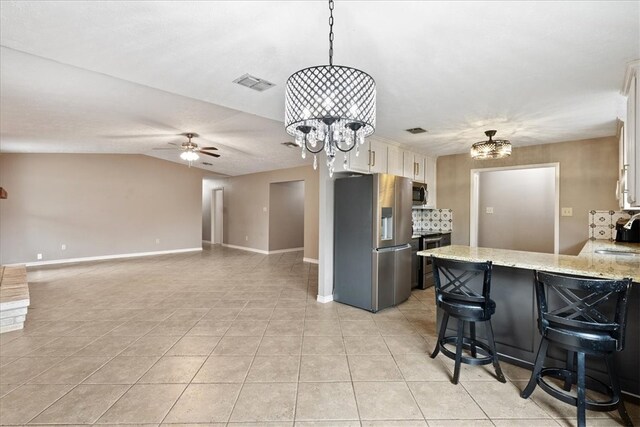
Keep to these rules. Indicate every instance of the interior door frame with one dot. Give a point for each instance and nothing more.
(475, 199)
(213, 218)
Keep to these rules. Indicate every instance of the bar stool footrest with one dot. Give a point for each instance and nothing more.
(466, 344)
(592, 405)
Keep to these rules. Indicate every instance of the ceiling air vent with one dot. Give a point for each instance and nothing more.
(416, 130)
(253, 82)
(290, 144)
(207, 164)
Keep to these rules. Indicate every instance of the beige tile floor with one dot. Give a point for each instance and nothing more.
(227, 337)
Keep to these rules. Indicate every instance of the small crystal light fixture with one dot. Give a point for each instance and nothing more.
(491, 149)
(330, 108)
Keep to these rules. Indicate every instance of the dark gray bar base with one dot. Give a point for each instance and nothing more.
(517, 336)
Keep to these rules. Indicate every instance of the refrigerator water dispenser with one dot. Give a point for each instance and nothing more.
(386, 224)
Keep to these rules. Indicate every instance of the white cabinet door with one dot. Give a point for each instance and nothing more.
(420, 175)
(378, 160)
(360, 163)
(394, 160)
(408, 165)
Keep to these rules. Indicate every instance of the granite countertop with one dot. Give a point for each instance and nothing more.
(587, 263)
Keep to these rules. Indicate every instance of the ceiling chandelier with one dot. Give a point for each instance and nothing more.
(330, 107)
(491, 149)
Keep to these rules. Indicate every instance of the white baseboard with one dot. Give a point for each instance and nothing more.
(207, 241)
(260, 251)
(325, 299)
(244, 248)
(106, 257)
(310, 260)
(281, 251)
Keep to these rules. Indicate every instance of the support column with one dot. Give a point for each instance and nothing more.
(325, 239)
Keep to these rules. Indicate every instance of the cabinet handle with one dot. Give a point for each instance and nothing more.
(369, 160)
(418, 165)
(373, 164)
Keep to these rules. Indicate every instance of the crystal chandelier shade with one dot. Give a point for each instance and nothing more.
(491, 149)
(330, 107)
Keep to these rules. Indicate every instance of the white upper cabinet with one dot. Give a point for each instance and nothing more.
(394, 160)
(414, 166)
(378, 157)
(372, 157)
(629, 184)
(360, 162)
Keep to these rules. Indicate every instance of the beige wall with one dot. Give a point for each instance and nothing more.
(588, 174)
(96, 204)
(526, 225)
(286, 215)
(246, 208)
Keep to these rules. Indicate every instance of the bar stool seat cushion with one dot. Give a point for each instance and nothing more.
(595, 341)
(468, 310)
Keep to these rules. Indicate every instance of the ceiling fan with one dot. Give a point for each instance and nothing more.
(190, 150)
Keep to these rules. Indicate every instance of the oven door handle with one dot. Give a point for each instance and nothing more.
(433, 240)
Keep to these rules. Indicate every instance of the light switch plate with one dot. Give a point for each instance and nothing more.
(489, 210)
(566, 212)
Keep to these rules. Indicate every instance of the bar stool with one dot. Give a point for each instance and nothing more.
(456, 296)
(578, 315)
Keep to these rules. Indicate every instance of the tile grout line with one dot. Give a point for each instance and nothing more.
(100, 367)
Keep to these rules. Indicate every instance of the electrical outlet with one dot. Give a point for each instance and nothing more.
(63, 247)
(264, 209)
(567, 212)
(39, 256)
(157, 241)
(489, 210)
(246, 238)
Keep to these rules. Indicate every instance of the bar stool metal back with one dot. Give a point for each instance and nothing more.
(584, 316)
(462, 292)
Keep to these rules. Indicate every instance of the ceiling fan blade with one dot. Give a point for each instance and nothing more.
(209, 154)
(164, 148)
(208, 148)
(175, 144)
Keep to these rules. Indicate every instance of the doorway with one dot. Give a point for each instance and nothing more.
(286, 216)
(217, 209)
(516, 208)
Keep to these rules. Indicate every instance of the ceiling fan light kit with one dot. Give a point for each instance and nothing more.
(330, 107)
(491, 149)
(190, 150)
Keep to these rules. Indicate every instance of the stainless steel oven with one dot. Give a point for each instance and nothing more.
(425, 279)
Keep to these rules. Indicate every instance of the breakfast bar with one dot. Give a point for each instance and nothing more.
(515, 320)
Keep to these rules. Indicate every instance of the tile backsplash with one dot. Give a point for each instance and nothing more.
(432, 219)
(602, 224)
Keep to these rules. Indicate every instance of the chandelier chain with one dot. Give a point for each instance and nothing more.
(330, 32)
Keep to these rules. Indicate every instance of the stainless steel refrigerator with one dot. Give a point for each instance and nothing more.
(372, 236)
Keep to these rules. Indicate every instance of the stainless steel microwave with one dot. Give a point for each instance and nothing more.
(420, 195)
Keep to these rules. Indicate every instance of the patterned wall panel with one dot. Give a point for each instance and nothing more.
(432, 219)
(602, 224)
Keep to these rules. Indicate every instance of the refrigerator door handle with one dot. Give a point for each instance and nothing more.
(393, 248)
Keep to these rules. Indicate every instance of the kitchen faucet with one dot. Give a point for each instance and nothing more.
(631, 220)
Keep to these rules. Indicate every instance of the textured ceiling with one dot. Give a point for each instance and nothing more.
(539, 72)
